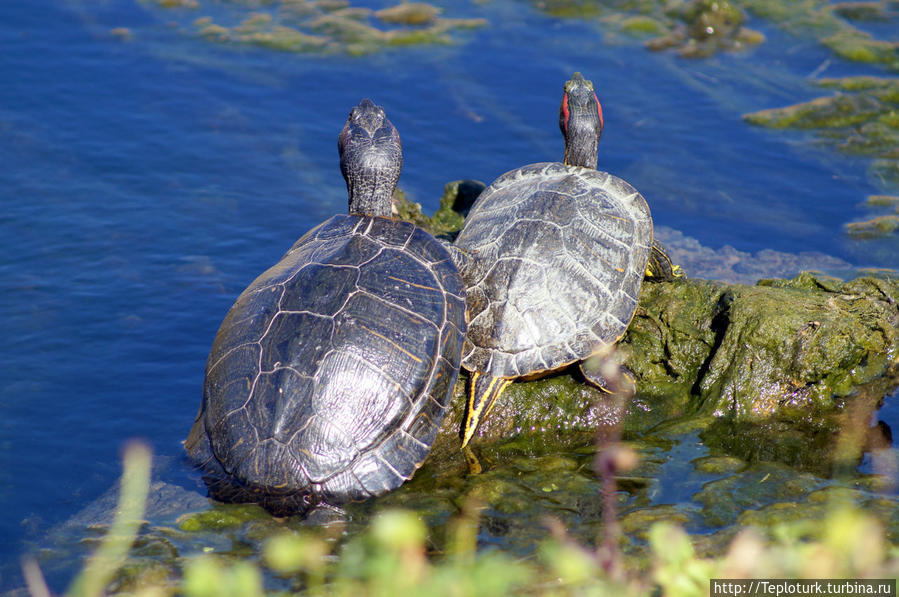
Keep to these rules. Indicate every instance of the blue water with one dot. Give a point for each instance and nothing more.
(145, 183)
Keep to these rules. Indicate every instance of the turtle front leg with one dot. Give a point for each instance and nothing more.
(659, 268)
(483, 389)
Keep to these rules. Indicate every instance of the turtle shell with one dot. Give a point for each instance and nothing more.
(555, 260)
(330, 375)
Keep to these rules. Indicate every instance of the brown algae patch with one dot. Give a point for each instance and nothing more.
(323, 26)
(873, 228)
(409, 13)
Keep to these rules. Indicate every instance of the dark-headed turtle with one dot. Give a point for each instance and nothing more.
(553, 256)
(330, 375)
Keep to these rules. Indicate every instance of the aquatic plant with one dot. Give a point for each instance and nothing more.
(323, 26)
(830, 24)
(862, 118)
(839, 537)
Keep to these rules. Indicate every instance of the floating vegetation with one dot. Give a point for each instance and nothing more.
(831, 25)
(696, 28)
(875, 227)
(178, 3)
(705, 26)
(862, 118)
(409, 13)
(699, 28)
(325, 26)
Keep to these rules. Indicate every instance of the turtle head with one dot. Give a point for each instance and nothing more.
(371, 158)
(580, 118)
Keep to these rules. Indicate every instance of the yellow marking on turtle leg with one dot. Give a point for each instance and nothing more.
(413, 284)
(480, 405)
(392, 343)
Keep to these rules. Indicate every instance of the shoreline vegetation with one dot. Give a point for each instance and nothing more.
(397, 556)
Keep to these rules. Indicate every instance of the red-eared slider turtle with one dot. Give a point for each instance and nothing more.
(330, 375)
(553, 256)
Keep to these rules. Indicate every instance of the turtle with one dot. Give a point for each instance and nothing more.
(553, 256)
(331, 373)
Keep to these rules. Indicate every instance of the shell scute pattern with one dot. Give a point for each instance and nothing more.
(337, 359)
(388, 233)
(400, 279)
(557, 278)
(249, 325)
(284, 348)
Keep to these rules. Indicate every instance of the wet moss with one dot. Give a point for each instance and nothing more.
(718, 464)
(723, 500)
(458, 197)
(222, 516)
(786, 346)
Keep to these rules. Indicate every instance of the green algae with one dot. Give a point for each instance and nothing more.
(784, 350)
(725, 499)
(223, 516)
(824, 112)
(861, 119)
(327, 26)
(875, 227)
(643, 25)
(704, 27)
(695, 28)
(409, 13)
(458, 197)
(861, 11)
(827, 23)
(177, 3)
(718, 464)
